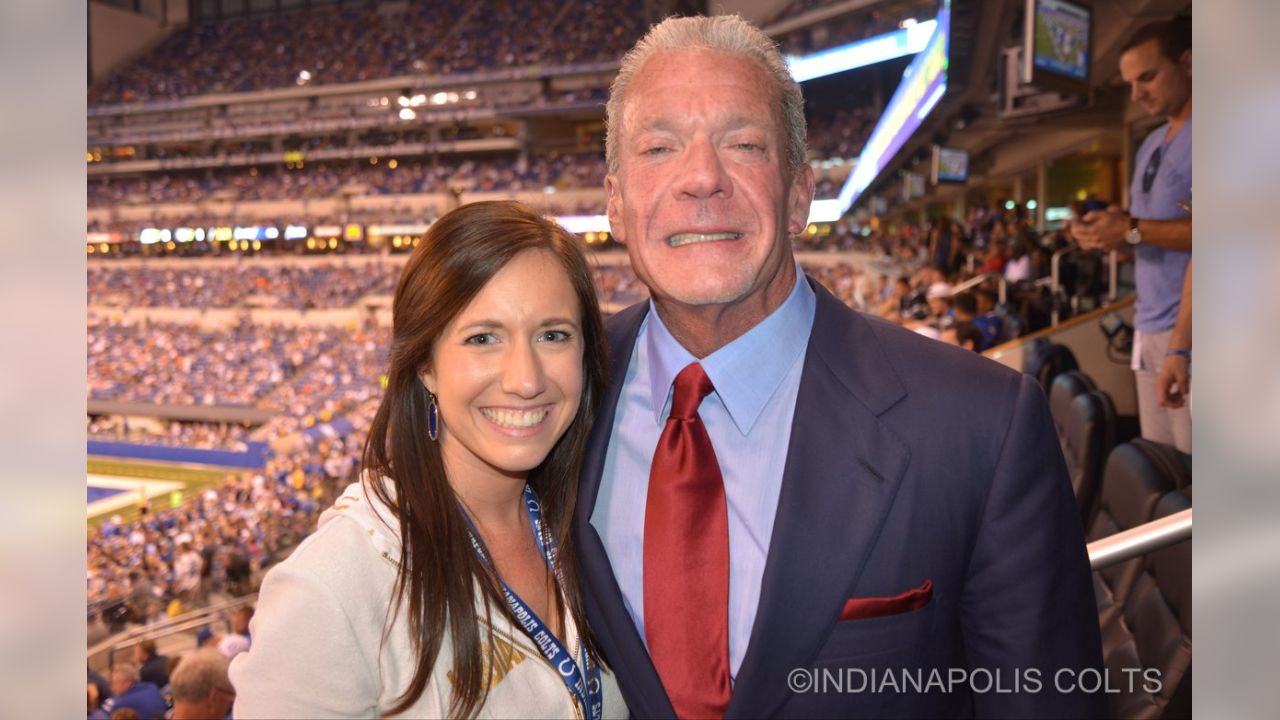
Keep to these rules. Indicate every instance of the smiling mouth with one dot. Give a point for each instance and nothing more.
(694, 238)
(516, 419)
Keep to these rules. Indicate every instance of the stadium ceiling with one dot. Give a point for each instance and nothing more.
(967, 119)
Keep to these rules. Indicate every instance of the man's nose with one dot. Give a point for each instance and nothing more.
(702, 174)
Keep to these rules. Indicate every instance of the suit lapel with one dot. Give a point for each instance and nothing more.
(842, 472)
(612, 623)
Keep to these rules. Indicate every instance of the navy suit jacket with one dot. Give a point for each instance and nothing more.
(909, 461)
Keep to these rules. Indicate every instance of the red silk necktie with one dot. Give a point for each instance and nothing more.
(686, 559)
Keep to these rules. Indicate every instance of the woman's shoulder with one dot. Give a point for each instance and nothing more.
(353, 538)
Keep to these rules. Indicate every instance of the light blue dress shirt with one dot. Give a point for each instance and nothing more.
(748, 417)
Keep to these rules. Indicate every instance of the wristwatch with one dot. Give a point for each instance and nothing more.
(1134, 235)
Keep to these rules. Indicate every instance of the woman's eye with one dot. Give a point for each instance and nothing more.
(481, 339)
(556, 336)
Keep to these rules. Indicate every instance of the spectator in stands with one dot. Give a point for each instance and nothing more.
(995, 259)
(128, 691)
(231, 645)
(989, 322)
(240, 620)
(201, 688)
(893, 306)
(707, 183)
(1018, 267)
(1156, 63)
(965, 309)
(962, 333)
(142, 593)
(94, 704)
(943, 245)
(186, 573)
(939, 299)
(99, 691)
(152, 665)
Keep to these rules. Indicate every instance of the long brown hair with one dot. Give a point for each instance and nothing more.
(438, 570)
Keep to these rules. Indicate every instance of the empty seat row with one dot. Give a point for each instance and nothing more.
(1144, 604)
(1085, 419)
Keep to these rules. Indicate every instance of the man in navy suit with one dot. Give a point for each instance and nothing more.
(901, 535)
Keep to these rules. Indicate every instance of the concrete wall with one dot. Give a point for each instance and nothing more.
(1085, 339)
(425, 205)
(120, 36)
(755, 11)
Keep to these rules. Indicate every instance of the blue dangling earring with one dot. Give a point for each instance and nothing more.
(433, 417)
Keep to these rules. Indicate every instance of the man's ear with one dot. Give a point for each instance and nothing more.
(1185, 62)
(801, 199)
(614, 193)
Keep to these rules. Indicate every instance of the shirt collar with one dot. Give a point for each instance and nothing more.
(748, 370)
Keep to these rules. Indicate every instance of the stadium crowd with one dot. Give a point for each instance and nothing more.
(389, 176)
(175, 363)
(343, 45)
(321, 285)
(841, 133)
(324, 284)
(212, 543)
(170, 433)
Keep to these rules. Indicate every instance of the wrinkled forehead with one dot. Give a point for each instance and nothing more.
(669, 70)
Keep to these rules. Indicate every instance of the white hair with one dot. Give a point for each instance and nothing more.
(724, 33)
(198, 673)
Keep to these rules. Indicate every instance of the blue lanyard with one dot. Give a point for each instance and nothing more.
(584, 681)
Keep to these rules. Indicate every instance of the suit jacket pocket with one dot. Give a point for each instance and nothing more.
(871, 607)
(878, 635)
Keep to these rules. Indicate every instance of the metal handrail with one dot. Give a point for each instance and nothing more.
(181, 623)
(1113, 277)
(1131, 543)
(979, 279)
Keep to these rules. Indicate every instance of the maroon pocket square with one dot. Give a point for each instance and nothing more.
(873, 607)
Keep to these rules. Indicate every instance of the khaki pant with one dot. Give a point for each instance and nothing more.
(1171, 426)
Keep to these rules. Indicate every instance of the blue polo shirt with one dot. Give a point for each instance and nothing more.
(1159, 272)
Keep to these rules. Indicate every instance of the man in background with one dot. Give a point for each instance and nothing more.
(129, 691)
(1156, 63)
(201, 688)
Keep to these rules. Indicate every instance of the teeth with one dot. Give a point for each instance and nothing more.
(516, 418)
(690, 238)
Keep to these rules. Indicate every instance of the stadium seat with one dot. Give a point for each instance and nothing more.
(1064, 389)
(1045, 361)
(1136, 477)
(1085, 420)
(1152, 632)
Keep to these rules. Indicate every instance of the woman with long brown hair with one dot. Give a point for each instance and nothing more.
(445, 583)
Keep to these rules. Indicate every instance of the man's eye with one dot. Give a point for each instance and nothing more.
(480, 339)
(655, 150)
(749, 146)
